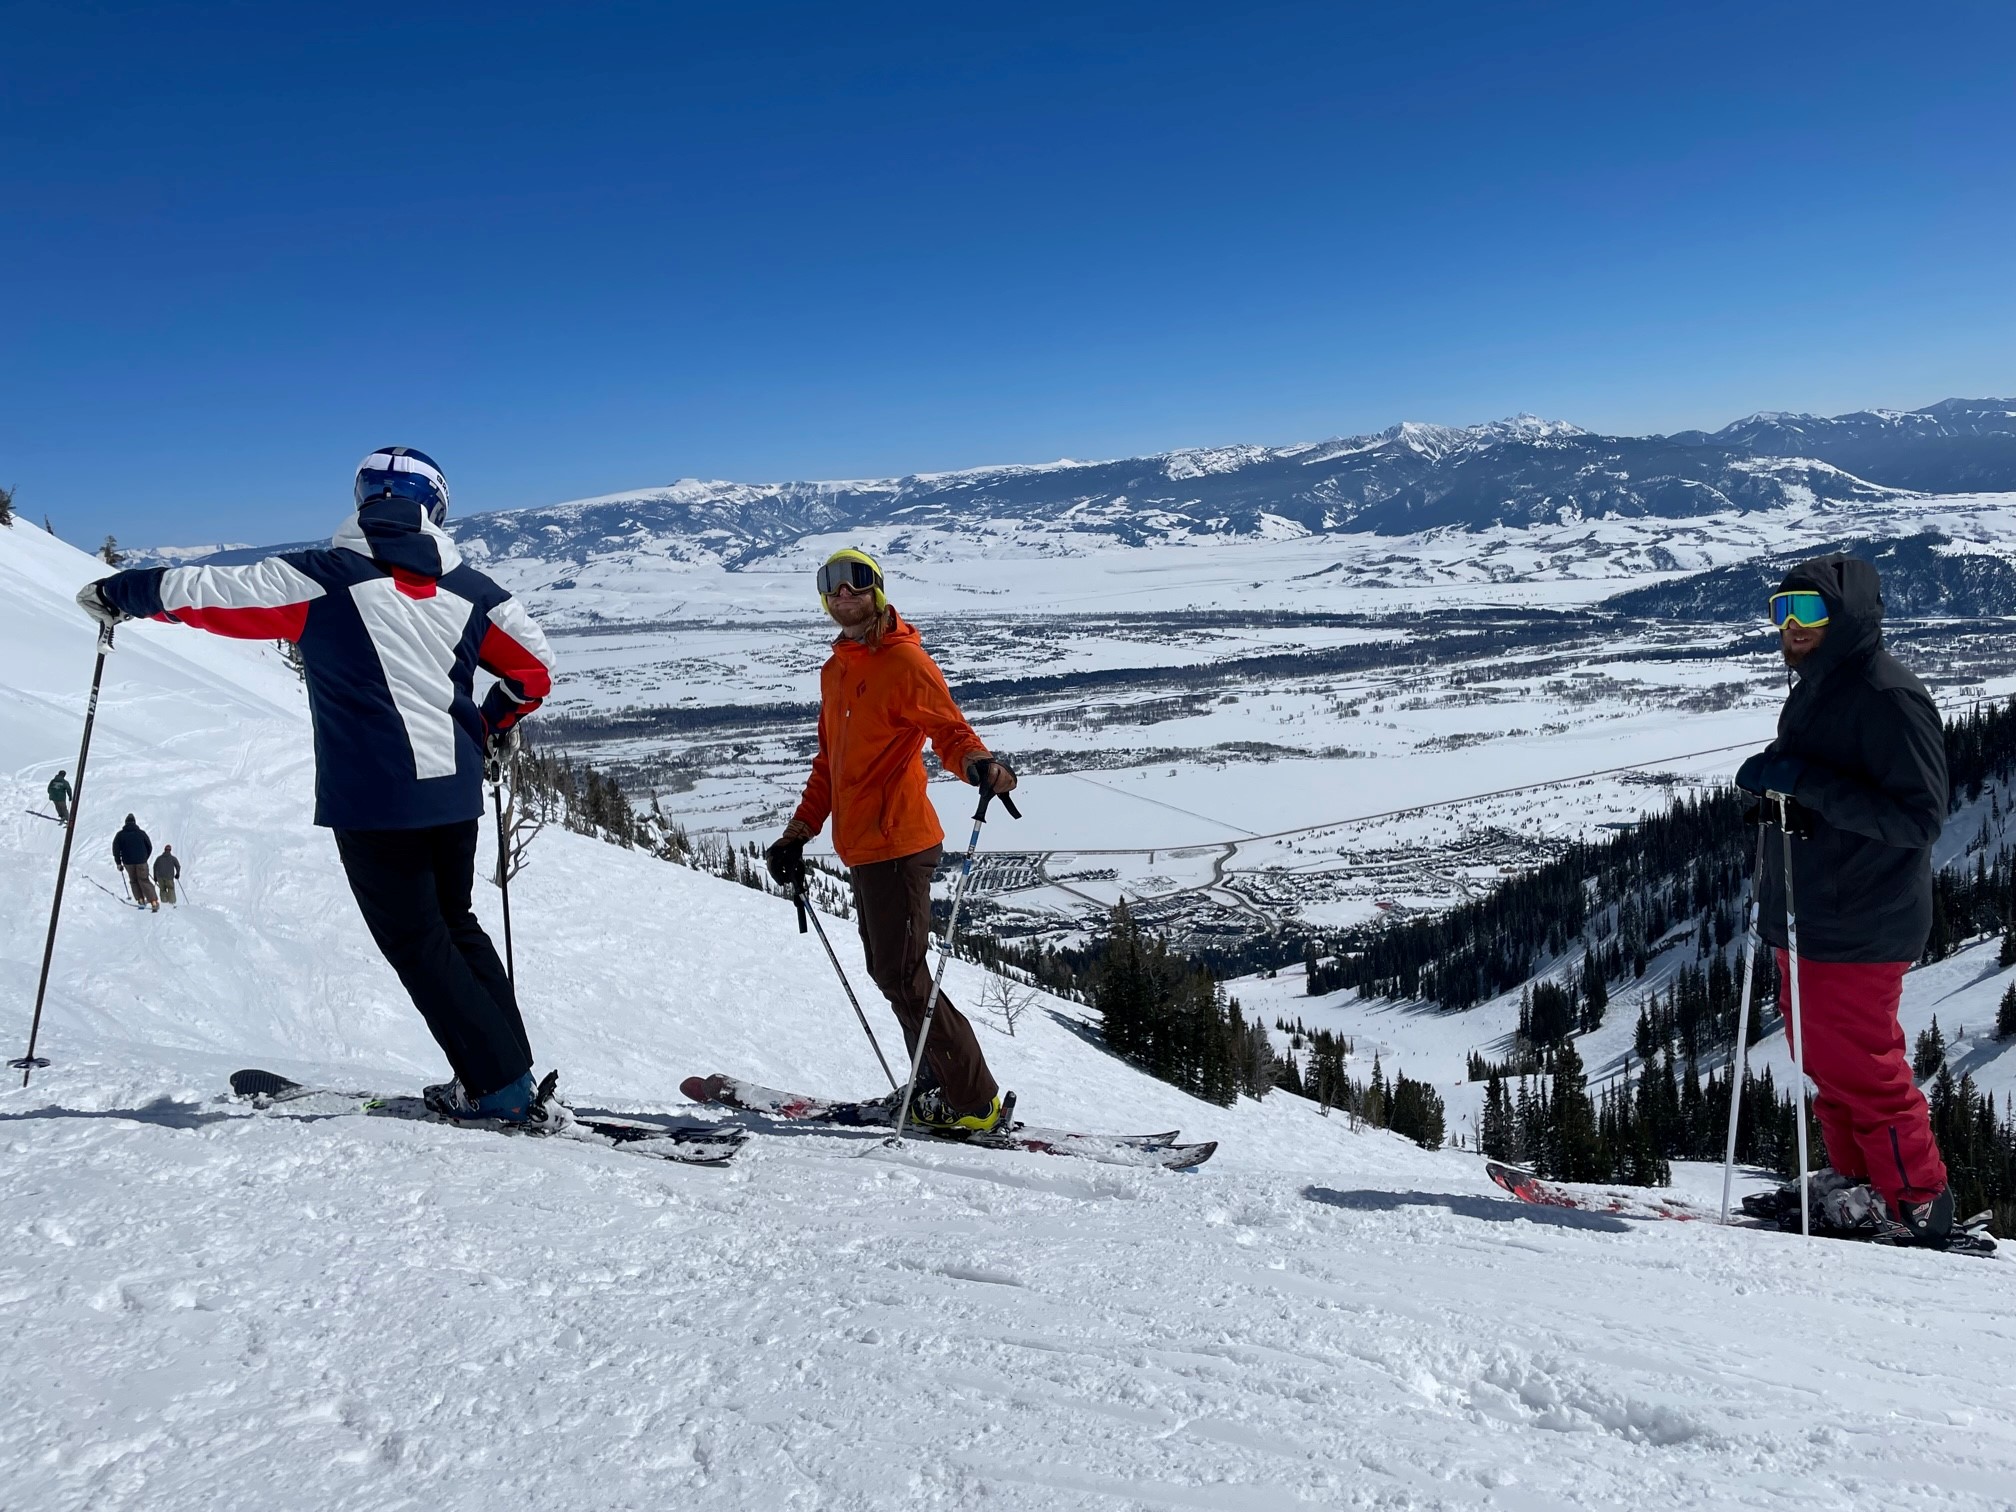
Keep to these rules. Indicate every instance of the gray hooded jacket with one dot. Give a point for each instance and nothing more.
(1875, 777)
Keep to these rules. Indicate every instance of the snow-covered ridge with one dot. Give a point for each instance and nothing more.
(1520, 472)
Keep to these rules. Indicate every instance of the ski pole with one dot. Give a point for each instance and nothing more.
(805, 910)
(30, 1061)
(1798, 1025)
(984, 771)
(504, 863)
(1739, 1057)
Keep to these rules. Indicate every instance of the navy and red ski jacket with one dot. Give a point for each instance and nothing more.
(391, 626)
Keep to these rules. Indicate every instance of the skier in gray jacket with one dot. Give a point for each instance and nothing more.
(167, 868)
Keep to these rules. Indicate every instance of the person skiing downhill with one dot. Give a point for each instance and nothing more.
(391, 625)
(130, 850)
(1861, 752)
(167, 868)
(59, 795)
(881, 697)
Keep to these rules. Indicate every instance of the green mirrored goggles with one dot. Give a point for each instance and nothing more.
(1807, 610)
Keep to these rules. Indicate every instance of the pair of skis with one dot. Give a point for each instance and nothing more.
(1157, 1150)
(713, 1143)
(685, 1144)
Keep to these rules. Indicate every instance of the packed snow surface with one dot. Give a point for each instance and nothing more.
(203, 1307)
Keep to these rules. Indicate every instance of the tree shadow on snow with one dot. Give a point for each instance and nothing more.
(1486, 1209)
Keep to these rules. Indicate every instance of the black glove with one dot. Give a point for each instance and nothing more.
(1770, 772)
(786, 861)
(982, 769)
(1801, 821)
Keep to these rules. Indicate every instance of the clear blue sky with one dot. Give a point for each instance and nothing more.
(573, 249)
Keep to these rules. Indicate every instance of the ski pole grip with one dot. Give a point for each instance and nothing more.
(798, 902)
(983, 770)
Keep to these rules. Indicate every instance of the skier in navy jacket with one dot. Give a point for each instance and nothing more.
(391, 625)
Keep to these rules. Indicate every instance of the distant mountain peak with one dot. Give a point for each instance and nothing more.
(1414, 476)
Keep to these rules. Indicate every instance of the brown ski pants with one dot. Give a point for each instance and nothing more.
(892, 902)
(142, 885)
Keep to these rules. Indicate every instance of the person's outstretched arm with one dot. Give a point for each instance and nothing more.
(265, 600)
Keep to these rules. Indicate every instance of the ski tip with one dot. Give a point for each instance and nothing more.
(703, 1088)
(260, 1083)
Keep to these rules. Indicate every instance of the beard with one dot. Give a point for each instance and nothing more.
(853, 614)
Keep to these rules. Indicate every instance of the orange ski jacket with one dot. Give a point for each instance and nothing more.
(877, 707)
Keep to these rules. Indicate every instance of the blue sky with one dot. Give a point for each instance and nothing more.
(575, 249)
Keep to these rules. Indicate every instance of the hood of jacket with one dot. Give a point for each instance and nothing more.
(397, 533)
(1854, 595)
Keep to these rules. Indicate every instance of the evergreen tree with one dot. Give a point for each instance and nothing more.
(1576, 1153)
(1417, 1112)
(1595, 993)
(1553, 1013)
(1373, 1110)
(1496, 1135)
(1929, 1054)
(2005, 1015)
(109, 553)
(6, 506)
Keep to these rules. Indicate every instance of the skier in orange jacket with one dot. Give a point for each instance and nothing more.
(881, 697)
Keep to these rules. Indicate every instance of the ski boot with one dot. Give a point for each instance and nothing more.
(885, 1108)
(1780, 1204)
(1929, 1224)
(929, 1110)
(517, 1105)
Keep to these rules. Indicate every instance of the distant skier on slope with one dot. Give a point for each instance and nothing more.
(1861, 750)
(130, 850)
(391, 625)
(59, 795)
(880, 698)
(167, 868)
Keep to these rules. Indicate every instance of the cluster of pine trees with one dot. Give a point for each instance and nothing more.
(1979, 1148)
(1405, 1106)
(1172, 1018)
(1631, 1129)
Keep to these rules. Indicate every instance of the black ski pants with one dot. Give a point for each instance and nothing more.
(413, 887)
(892, 907)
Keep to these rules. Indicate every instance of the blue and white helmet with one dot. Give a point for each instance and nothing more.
(400, 472)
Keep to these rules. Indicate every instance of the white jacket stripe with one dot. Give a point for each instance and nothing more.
(416, 641)
(269, 584)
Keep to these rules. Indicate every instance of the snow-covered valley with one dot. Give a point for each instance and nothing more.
(208, 1307)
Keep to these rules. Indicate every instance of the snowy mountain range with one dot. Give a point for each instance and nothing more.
(1511, 473)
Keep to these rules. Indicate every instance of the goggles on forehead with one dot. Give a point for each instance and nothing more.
(1807, 610)
(848, 572)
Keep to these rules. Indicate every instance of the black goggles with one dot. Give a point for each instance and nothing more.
(848, 573)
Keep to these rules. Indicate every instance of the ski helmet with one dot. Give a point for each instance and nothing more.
(853, 566)
(400, 472)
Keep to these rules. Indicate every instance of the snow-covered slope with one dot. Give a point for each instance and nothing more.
(202, 1308)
